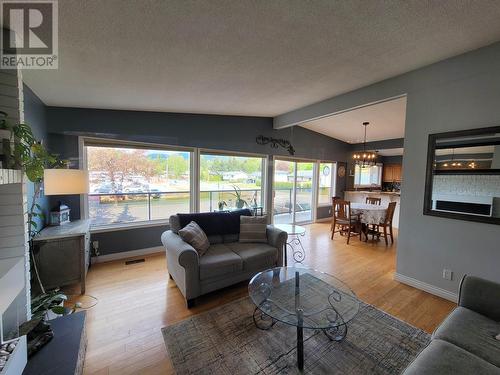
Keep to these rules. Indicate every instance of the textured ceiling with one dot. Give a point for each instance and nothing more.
(259, 58)
(387, 121)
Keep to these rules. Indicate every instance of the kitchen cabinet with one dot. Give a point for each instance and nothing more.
(392, 173)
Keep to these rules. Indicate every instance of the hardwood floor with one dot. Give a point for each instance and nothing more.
(137, 300)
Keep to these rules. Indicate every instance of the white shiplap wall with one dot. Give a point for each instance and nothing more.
(13, 197)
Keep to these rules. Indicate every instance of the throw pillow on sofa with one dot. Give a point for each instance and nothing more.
(253, 229)
(196, 237)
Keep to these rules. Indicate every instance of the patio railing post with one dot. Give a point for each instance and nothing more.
(149, 206)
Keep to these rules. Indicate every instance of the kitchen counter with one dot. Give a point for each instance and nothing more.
(374, 193)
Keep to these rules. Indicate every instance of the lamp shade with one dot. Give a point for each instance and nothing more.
(65, 181)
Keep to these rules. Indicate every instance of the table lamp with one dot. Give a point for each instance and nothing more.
(64, 182)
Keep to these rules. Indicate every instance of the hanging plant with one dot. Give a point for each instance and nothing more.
(32, 158)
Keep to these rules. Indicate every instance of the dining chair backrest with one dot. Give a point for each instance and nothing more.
(342, 209)
(333, 203)
(390, 213)
(373, 200)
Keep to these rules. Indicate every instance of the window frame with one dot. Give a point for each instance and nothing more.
(83, 142)
(264, 166)
(195, 155)
(315, 183)
(333, 182)
(364, 186)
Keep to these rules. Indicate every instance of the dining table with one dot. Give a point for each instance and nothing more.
(369, 214)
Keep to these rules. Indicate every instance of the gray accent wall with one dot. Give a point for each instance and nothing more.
(455, 94)
(396, 159)
(35, 116)
(231, 133)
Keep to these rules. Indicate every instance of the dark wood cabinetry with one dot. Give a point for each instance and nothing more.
(392, 173)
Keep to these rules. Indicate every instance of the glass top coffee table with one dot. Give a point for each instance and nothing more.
(303, 298)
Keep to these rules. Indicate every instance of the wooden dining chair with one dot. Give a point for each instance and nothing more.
(373, 229)
(344, 220)
(373, 200)
(386, 226)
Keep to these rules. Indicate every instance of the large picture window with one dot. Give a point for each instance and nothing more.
(136, 184)
(231, 181)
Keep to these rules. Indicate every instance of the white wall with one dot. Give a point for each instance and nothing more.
(468, 98)
(495, 163)
(470, 185)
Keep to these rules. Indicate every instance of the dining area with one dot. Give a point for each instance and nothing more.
(368, 221)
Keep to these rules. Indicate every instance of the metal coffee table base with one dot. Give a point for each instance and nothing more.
(298, 251)
(265, 322)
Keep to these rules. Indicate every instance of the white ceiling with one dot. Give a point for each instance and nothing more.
(387, 121)
(245, 57)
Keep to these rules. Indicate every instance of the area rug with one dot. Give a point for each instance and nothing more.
(224, 341)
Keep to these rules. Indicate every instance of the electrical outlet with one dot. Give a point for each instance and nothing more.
(447, 274)
(95, 246)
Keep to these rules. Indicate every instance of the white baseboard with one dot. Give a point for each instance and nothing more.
(127, 254)
(443, 293)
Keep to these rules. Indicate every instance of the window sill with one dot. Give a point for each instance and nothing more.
(127, 226)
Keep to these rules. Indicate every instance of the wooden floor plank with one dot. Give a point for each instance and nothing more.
(136, 301)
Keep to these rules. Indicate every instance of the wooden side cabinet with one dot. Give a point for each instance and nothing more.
(62, 254)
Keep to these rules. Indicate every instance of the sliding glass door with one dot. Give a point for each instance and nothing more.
(293, 191)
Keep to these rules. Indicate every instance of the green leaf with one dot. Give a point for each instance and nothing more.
(59, 310)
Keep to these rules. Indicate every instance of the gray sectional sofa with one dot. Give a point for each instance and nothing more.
(226, 261)
(465, 342)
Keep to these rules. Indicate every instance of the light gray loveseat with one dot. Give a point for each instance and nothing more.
(465, 342)
(226, 261)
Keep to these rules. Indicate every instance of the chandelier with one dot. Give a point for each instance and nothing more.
(365, 158)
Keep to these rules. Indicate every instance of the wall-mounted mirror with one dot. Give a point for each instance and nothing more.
(463, 175)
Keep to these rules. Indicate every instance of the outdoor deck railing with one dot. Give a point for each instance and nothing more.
(210, 201)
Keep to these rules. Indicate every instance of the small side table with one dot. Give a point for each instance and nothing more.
(62, 254)
(294, 233)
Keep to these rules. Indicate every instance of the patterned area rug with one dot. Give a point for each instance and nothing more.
(224, 341)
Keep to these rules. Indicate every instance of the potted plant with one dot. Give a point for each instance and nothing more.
(45, 306)
(240, 202)
(32, 158)
(6, 142)
(221, 205)
(50, 305)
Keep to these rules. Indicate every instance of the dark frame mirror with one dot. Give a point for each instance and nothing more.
(463, 175)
